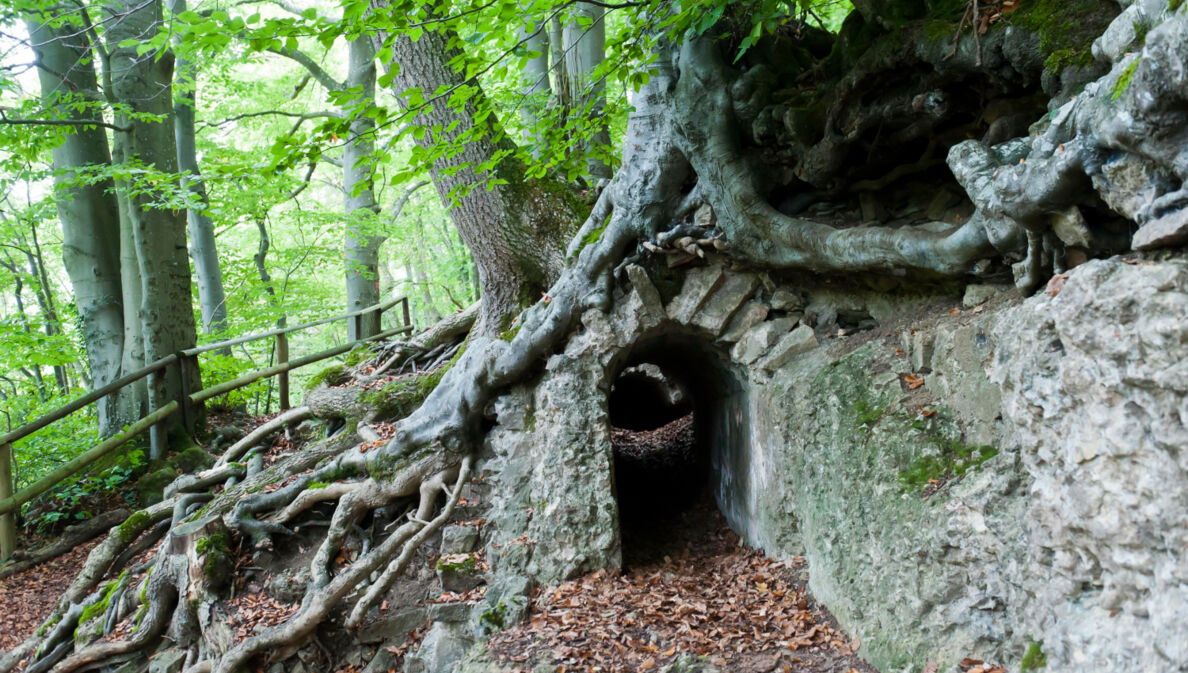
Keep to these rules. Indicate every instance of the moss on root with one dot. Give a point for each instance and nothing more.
(132, 526)
(402, 396)
(1066, 28)
(332, 375)
(1123, 82)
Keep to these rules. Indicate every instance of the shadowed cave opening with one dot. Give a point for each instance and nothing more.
(679, 431)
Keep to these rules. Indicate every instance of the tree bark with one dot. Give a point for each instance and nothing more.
(585, 49)
(515, 231)
(534, 87)
(88, 210)
(362, 244)
(212, 299)
(143, 83)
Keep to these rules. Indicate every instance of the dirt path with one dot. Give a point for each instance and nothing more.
(28, 597)
(690, 590)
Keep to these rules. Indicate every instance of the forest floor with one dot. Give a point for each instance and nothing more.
(28, 597)
(690, 588)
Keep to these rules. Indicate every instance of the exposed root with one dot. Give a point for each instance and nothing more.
(319, 600)
(311, 497)
(233, 453)
(446, 329)
(70, 538)
(429, 490)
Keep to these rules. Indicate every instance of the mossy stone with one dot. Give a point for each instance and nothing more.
(150, 489)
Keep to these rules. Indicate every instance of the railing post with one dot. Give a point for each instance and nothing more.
(404, 309)
(7, 521)
(282, 379)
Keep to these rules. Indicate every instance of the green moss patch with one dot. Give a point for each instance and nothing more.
(1123, 82)
(1066, 28)
(952, 459)
(331, 376)
(1035, 658)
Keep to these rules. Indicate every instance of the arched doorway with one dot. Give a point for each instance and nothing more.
(679, 421)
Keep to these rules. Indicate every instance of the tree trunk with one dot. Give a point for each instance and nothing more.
(362, 245)
(88, 211)
(143, 83)
(515, 231)
(534, 87)
(584, 51)
(211, 298)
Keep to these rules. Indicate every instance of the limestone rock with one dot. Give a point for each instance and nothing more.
(758, 339)
(648, 294)
(976, 295)
(1071, 228)
(790, 345)
(450, 613)
(786, 300)
(1169, 230)
(458, 539)
(394, 627)
(725, 301)
(444, 646)
(752, 313)
(699, 283)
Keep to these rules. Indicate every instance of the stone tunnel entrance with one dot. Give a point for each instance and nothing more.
(679, 428)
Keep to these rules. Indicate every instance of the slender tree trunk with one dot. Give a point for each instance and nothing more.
(584, 51)
(561, 92)
(88, 210)
(534, 89)
(17, 289)
(211, 298)
(422, 277)
(143, 83)
(515, 231)
(45, 298)
(362, 245)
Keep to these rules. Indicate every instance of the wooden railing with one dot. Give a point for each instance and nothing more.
(186, 404)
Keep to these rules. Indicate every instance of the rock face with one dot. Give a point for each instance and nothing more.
(964, 483)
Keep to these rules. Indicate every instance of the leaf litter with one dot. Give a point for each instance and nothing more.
(696, 591)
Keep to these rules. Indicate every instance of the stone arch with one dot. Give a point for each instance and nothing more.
(552, 458)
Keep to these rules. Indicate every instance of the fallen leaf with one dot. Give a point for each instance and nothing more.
(1056, 284)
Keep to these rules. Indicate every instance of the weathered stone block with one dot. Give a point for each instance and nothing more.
(735, 289)
(450, 613)
(786, 300)
(1171, 229)
(755, 343)
(394, 627)
(799, 340)
(1071, 228)
(699, 283)
(976, 295)
(648, 294)
(458, 540)
(751, 314)
(444, 646)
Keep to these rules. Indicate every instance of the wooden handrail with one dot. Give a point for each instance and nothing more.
(382, 306)
(94, 396)
(79, 462)
(91, 397)
(252, 377)
(11, 503)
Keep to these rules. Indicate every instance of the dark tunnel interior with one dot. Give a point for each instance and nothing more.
(670, 409)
